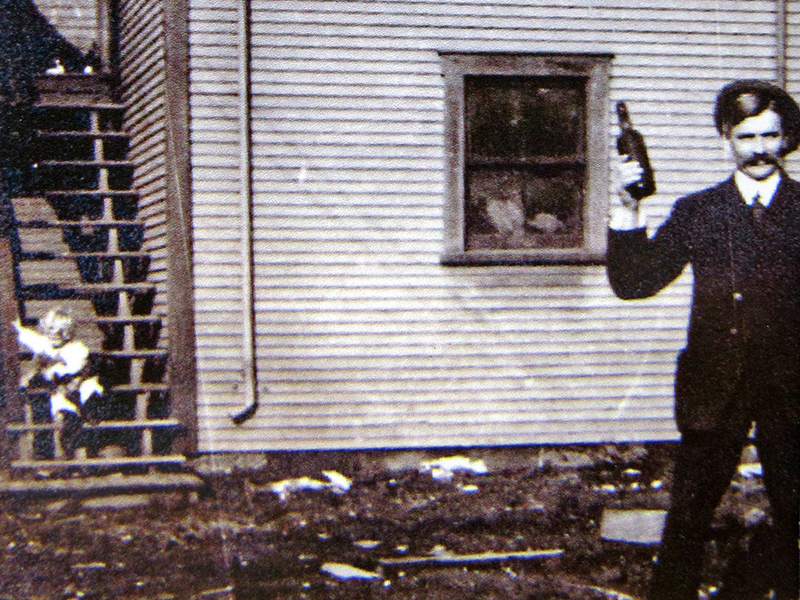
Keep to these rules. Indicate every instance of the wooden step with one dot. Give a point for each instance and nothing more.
(45, 255)
(105, 135)
(20, 428)
(44, 224)
(144, 353)
(128, 320)
(60, 194)
(77, 463)
(121, 388)
(51, 291)
(102, 164)
(74, 88)
(140, 388)
(77, 487)
(121, 354)
(78, 105)
(73, 204)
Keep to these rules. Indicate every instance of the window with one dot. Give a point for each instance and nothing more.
(527, 157)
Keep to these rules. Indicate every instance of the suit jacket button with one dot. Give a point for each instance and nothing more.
(737, 296)
(734, 331)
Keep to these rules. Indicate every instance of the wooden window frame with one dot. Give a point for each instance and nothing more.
(596, 69)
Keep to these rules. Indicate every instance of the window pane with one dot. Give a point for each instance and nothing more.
(524, 119)
(525, 208)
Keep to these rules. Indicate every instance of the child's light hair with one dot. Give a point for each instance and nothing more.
(57, 325)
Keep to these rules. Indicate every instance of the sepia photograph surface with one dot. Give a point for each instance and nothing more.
(403, 299)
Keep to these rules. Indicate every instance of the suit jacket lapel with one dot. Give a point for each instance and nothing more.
(733, 208)
(783, 202)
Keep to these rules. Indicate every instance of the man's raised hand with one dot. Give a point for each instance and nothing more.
(628, 172)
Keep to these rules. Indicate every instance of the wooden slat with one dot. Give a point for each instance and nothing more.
(102, 135)
(96, 164)
(80, 105)
(98, 485)
(455, 560)
(134, 461)
(642, 431)
(16, 429)
(41, 224)
(564, 21)
(460, 8)
(52, 255)
(104, 193)
(80, 290)
(131, 319)
(124, 388)
(143, 353)
(138, 388)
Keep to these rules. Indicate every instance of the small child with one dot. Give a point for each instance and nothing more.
(61, 365)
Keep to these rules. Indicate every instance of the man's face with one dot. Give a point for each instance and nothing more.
(756, 144)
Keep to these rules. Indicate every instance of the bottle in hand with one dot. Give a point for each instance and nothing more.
(631, 143)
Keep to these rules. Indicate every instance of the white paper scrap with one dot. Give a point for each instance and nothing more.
(343, 571)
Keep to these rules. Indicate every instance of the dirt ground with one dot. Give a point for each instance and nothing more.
(238, 539)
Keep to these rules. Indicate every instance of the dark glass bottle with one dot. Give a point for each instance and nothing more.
(630, 142)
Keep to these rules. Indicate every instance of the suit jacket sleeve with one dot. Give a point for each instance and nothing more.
(638, 266)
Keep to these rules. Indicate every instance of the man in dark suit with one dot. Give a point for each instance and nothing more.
(741, 363)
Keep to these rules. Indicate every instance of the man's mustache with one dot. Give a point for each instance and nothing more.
(760, 159)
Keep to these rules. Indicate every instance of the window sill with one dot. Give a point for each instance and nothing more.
(476, 258)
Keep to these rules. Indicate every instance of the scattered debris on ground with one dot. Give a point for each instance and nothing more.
(345, 572)
(532, 531)
(337, 483)
(444, 469)
(440, 556)
(635, 526)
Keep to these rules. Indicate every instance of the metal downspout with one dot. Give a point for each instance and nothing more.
(246, 210)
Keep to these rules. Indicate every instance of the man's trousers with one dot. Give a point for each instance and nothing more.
(704, 466)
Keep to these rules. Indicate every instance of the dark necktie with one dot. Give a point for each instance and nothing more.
(758, 208)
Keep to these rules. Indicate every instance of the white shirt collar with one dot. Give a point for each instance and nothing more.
(749, 188)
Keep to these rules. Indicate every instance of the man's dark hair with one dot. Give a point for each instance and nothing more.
(750, 97)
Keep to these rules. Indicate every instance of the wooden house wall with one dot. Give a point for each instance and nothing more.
(143, 78)
(792, 47)
(363, 339)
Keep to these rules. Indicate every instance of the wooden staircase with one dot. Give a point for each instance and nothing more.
(80, 248)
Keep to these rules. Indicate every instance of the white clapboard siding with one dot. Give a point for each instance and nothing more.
(793, 68)
(363, 339)
(214, 138)
(143, 79)
(76, 20)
